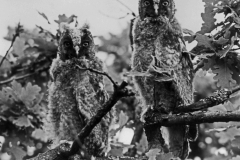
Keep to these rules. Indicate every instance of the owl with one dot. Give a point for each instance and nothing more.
(162, 72)
(76, 94)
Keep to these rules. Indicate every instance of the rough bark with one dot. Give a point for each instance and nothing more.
(193, 118)
(64, 151)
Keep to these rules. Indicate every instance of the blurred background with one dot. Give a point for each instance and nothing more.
(103, 16)
(24, 101)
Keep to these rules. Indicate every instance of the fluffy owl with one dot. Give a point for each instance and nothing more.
(162, 72)
(76, 94)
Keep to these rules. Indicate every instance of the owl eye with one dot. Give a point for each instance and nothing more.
(146, 3)
(67, 44)
(85, 44)
(165, 3)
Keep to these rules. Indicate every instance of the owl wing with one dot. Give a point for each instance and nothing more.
(131, 32)
(99, 87)
(186, 59)
(98, 82)
(54, 70)
(188, 66)
(90, 96)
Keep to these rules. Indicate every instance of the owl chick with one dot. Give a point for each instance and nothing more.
(162, 72)
(76, 94)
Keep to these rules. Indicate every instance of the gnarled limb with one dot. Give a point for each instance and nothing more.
(63, 151)
(219, 97)
(193, 118)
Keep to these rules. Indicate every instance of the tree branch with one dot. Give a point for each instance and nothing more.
(114, 17)
(18, 31)
(16, 78)
(54, 154)
(62, 152)
(119, 93)
(127, 7)
(23, 76)
(99, 72)
(193, 118)
(197, 117)
(219, 97)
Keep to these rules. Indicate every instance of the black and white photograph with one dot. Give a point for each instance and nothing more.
(119, 79)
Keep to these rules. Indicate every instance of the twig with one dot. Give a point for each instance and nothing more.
(114, 17)
(127, 7)
(99, 72)
(193, 118)
(199, 66)
(18, 31)
(16, 78)
(218, 98)
(23, 76)
(42, 30)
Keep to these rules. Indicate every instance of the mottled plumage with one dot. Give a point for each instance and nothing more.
(163, 73)
(75, 95)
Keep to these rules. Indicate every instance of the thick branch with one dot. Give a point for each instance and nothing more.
(218, 98)
(193, 118)
(62, 152)
(119, 93)
(54, 155)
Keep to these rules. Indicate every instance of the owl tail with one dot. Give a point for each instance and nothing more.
(176, 139)
(185, 150)
(193, 132)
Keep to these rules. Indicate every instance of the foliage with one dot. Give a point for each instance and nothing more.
(216, 49)
(23, 101)
(29, 62)
(218, 41)
(22, 114)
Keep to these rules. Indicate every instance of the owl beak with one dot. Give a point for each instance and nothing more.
(77, 49)
(156, 8)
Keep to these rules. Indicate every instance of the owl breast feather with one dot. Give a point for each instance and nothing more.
(155, 39)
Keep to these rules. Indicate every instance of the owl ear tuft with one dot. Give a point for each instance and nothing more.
(86, 25)
(63, 27)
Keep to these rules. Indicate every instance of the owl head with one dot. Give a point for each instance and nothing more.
(156, 8)
(76, 43)
(146, 9)
(166, 8)
(87, 45)
(69, 43)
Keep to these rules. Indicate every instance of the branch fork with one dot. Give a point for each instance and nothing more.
(195, 114)
(64, 151)
(183, 115)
